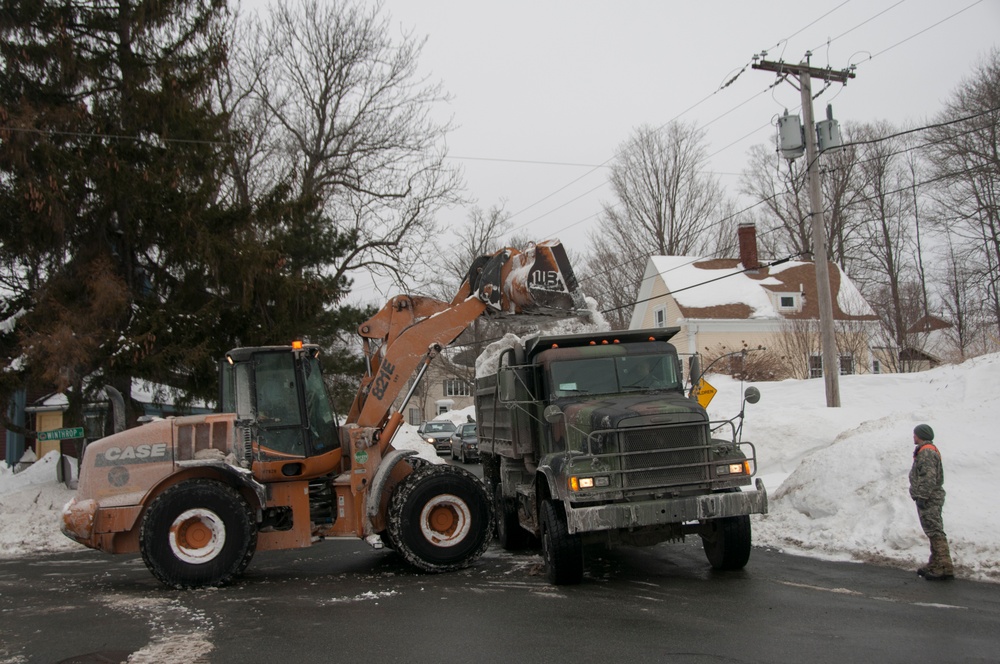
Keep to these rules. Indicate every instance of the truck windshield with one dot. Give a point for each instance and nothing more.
(614, 375)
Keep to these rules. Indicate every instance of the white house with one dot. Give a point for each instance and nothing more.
(725, 305)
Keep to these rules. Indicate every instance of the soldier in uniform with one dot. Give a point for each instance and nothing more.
(927, 491)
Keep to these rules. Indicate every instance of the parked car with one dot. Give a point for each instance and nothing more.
(465, 443)
(437, 433)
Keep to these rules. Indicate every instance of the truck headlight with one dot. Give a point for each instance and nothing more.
(581, 483)
(734, 469)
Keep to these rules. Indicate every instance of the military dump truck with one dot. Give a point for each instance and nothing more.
(590, 438)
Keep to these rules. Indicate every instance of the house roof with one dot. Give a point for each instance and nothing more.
(720, 289)
(928, 323)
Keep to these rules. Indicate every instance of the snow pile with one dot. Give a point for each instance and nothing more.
(593, 321)
(31, 507)
(836, 477)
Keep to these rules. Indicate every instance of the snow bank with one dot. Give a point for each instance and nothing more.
(838, 477)
(31, 509)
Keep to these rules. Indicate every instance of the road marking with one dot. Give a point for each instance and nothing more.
(855, 593)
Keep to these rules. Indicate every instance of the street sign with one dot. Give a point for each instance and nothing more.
(61, 434)
(705, 393)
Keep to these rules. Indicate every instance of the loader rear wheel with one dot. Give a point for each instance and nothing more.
(562, 552)
(727, 542)
(197, 533)
(440, 518)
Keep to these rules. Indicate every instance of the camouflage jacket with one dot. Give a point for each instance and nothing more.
(927, 475)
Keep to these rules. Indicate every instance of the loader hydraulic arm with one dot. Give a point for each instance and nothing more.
(408, 332)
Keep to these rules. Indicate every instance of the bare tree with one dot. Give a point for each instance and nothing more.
(965, 165)
(887, 208)
(783, 219)
(779, 187)
(334, 115)
(609, 278)
(665, 203)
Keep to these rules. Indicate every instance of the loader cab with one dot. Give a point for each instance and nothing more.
(279, 391)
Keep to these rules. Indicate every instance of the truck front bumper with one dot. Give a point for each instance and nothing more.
(668, 510)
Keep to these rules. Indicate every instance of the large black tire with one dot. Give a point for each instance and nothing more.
(440, 518)
(562, 552)
(198, 533)
(727, 542)
(510, 535)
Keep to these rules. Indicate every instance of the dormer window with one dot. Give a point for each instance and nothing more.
(788, 301)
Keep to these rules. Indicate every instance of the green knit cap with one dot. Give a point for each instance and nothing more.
(924, 432)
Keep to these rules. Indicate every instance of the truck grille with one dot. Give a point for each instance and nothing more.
(663, 457)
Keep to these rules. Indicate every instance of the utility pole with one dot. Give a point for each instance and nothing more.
(828, 340)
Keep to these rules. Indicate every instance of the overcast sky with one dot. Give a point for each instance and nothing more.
(543, 92)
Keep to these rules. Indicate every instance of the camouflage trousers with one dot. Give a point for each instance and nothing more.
(931, 520)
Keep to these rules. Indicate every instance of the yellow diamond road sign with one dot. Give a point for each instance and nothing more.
(705, 393)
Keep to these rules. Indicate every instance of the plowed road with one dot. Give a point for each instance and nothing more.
(345, 602)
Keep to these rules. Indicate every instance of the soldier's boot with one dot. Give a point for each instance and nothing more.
(941, 567)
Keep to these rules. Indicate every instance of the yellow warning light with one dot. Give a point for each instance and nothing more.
(297, 345)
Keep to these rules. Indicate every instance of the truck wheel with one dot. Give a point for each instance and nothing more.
(197, 533)
(510, 534)
(563, 553)
(727, 542)
(440, 518)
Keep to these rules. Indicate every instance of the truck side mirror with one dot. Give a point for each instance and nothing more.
(751, 395)
(514, 385)
(552, 413)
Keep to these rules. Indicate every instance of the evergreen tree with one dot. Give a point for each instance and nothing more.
(116, 258)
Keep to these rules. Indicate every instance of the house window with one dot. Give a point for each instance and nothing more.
(876, 367)
(415, 416)
(660, 317)
(788, 302)
(455, 387)
(815, 366)
(442, 409)
(846, 365)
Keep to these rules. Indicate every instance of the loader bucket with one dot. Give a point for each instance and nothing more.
(537, 281)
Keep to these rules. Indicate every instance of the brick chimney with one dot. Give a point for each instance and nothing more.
(747, 234)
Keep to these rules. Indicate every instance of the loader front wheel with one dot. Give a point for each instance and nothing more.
(197, 533)
(440, 518)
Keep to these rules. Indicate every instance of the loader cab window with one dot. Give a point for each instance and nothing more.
(319, 414)
(277, 404)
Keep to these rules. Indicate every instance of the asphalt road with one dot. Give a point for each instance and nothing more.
(346, 602)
